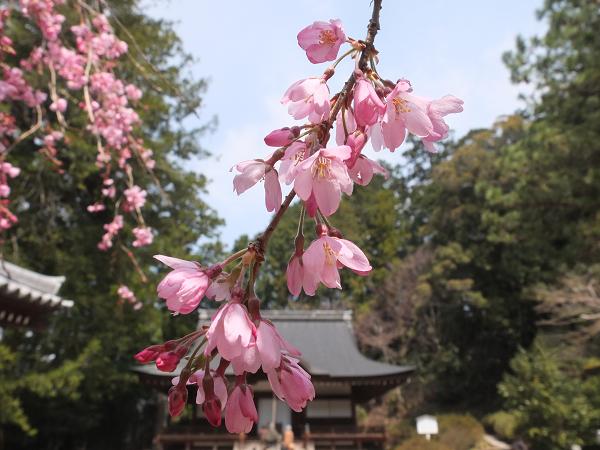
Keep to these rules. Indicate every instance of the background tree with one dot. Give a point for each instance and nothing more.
(106, 408)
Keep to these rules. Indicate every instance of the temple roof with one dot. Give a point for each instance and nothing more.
(327, 343)
(26, 295)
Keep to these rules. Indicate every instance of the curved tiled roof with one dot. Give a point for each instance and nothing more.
(23, 291)
(327, 343)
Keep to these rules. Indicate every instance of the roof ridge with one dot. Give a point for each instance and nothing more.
(344, 315)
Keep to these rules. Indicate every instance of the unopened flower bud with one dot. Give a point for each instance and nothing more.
(321, 229)
(177, 399)
(148, 354)
(168, 361)
(212, 411)
(335, 232)
(299, 245)
(280, 137)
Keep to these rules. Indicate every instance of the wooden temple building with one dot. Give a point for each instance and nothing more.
(342, 376)
(27, 297)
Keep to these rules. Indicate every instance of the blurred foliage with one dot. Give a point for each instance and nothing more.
(549, 406)
(420, 443)
(456, 432)
(459, 432)
(84, 394)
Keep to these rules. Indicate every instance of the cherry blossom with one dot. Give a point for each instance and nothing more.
(325, 175)
(291, 383)
(368, 107)
(251, 172)
(143, 236)
(308, 98)
(403, 113)
(230, 331)
(240, 411)
(184, 287)
(321, 259)
(322, 40)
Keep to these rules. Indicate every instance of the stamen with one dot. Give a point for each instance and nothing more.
(400, 105)
(299, 157)
(327, 37)
(321, 168)
(330, 256)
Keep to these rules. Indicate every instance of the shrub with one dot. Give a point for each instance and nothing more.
(420, 443)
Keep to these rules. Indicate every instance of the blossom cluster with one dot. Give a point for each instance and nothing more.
(238, 334)
(126, 295)
(238, 339)
(83, 77)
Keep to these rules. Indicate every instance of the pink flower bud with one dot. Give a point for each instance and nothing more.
(177, 399)
(240, 412)
(281, 137)
(368, 107)
(212, 411)
(167, 361)
(148, 354)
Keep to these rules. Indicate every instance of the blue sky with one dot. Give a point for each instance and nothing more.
(249, 53)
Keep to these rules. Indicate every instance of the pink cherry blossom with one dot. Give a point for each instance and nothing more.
(403, 113)
(184, 287)
(96, 207)
(59, 105)
(112, 229)
(308, 98)
(294, 155)
(240, 412)
(368, 107)
(436, 110)
(133, 92)
(220, 288)
(291, 383)
(230, 331)
(344, 124)
(323, 257)
(356, 141)
(10, 170)
(295, 274)
(325, 175)
(125, 293)
(135, 197)
(143, 236)
(363, 170)
(265, 350)
(322, 40)
(251, 172)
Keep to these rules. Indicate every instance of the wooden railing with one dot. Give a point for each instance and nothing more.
(310, 441)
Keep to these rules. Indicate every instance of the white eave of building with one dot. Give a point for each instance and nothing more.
(32, 287)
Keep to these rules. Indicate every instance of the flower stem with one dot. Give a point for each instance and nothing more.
(337, 61)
